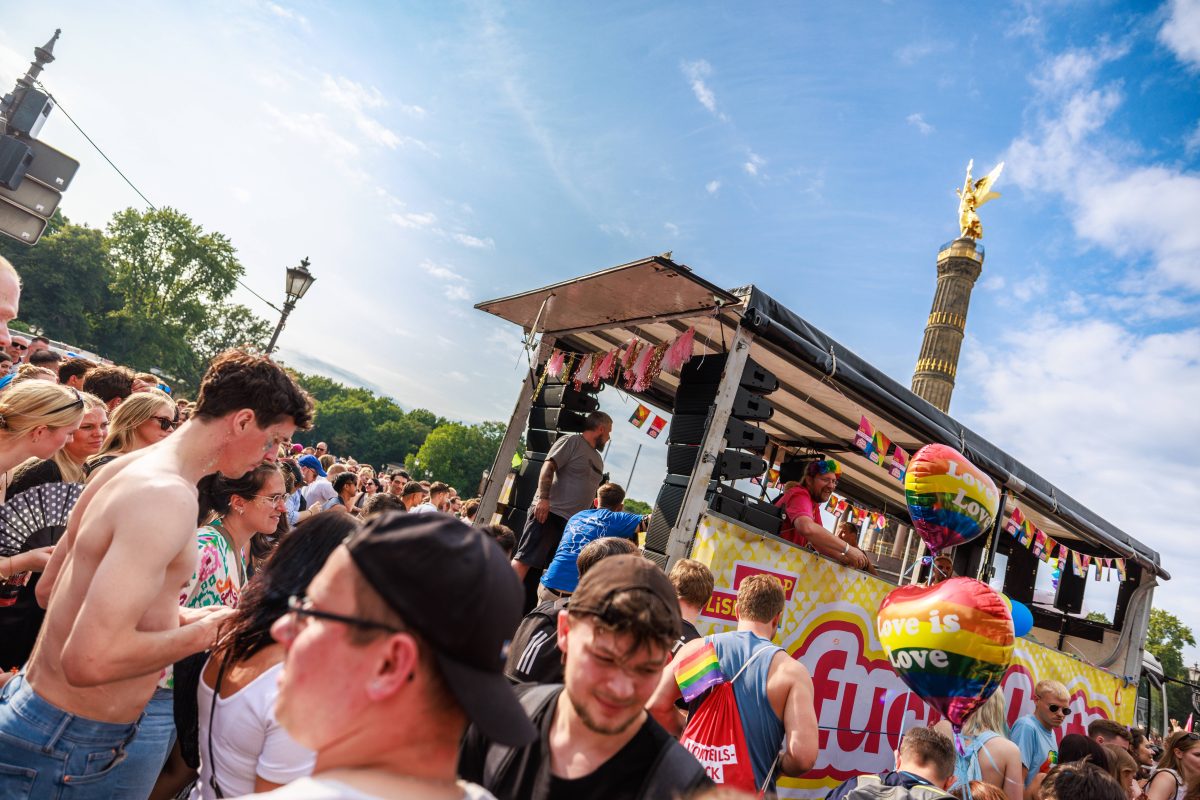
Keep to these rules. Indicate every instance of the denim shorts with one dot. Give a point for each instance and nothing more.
(47, 753)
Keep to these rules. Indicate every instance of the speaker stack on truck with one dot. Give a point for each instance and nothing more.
(744, 444)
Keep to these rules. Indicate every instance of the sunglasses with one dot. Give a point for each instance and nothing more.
(164, 423)
(76, 403)
(20, 346)
(1066, 712)
(300, 606)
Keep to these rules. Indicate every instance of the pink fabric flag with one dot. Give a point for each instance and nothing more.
(898, 463)
(1013, 524)
(864, 438)
(656, 427)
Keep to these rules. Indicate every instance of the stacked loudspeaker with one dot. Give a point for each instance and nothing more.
(558, 410)
(741, 458)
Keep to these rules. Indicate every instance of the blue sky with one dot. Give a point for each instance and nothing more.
(428, 156)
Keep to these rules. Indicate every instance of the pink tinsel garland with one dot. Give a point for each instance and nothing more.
(554, 366)
(581, 374)
(680, 352)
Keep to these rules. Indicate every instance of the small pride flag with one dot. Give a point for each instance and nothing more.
(656, 427)
(638, 418)
(698, 673)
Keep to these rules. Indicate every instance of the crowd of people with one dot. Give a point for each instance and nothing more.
(194, 605)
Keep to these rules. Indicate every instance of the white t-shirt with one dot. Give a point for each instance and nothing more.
(247, 741)
(326, 789)
(319, 492)
(424, 508)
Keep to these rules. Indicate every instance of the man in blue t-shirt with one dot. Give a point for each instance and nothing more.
(610, 519)
(1033, 734)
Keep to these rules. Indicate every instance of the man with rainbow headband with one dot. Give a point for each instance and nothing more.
(750, 712)
(801, 503)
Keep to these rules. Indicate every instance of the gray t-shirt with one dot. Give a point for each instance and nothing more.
(576, 477)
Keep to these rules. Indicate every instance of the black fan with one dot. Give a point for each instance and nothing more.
(37, 516)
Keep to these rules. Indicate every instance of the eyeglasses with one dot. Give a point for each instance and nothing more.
(76, 403)
(275, 499)
(1054, 709)
(19, 346)
(300, 606)
(165, 424)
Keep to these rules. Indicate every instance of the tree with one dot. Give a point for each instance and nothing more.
(1165, 639)
(457, 454)
(637, 506)
(1098, 616)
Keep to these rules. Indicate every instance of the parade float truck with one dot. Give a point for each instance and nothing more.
(763, 386)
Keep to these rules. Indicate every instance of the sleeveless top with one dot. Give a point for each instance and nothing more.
(966, 765)
(1180, 786)
(763, 730)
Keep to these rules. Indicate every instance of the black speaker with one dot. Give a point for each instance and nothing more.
(708, 369)
(541, 441)
(746, 404)
(689, 429)
(564, 396)
(1069, 597)
(526, 482)
(763, 516)
(666, 512)
(660, 559)
(731, 465)
(514, 519)
(556, 419)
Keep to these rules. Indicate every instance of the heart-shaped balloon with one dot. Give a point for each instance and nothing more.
(949, 500)
(950, 642)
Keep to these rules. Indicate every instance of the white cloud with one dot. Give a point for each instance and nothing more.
(287, 13)
(671, 228)
(315, 127)
(617, 229)
(754, 162)
(913, 52)
(918, 122)
(696, 72)
(241, 194)
(474, 241)
(992, 283)
(356, 99)
(1181, 31)
(712, 187)
(1029, 288)
(441, 272)
(1191, 145)
(413, 220)
(456, 291)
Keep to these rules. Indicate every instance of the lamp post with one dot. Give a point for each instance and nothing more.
(299, 279)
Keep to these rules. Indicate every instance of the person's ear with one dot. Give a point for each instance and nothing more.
(564, 627)
(397, 665)
(242, 420)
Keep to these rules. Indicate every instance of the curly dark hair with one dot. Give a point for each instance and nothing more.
(237, 379)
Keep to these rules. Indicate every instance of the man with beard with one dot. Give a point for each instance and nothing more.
(801, 502)
(596, 740)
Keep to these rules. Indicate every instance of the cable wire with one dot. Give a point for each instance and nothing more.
(125, 178)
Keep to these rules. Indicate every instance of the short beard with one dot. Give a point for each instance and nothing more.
(594, 726)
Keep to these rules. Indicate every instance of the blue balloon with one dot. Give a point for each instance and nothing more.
(1022, 618)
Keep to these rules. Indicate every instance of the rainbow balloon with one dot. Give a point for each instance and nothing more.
(950, 642)
(949, 500)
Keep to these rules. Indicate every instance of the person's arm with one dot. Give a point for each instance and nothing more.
(30, 561)
(1161, 787)
(545, 482)
(827, 544)
(799, 722)
(662, 703)
(105, 644)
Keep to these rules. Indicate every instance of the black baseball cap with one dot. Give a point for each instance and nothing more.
(454, 586)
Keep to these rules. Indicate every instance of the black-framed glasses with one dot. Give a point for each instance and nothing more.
(1054, 709)
(165, 423)
(300, 606)
(20, 346)
(76, 403)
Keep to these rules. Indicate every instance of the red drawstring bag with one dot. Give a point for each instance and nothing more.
(714, 736)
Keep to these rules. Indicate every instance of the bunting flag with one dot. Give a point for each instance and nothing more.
(1055, 572)
(841, 508)
(898, 463)
(1121, 568)
(1051, 547)
(656, 427)
(879, 447)
(864, 440)
(1077, 565)
(640, 415)
(772, 477)
(1039, 544)
(831, 506)
(1086, 561)
(1013, 524)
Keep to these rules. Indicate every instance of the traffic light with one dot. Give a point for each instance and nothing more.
(33, 175)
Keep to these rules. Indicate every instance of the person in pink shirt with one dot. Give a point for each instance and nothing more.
(801, 502)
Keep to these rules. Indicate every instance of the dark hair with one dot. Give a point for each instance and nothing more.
(109, 382)
(342, 478)
(469, 508)
(412, 487)
(601, 549)
(74, 368)
(380, 503)
(503, 536)
(298, 557)
(1107, 728)
(610, 496)
(43, 357)
(1077, 747)
(931, 749)
(216, 490)
(236, 380)
(41, 339)
(596, 420)
(1079, 780)
(437, 487)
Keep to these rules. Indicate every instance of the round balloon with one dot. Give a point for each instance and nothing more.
(1022, 617)
(950, 642)
(949, 500)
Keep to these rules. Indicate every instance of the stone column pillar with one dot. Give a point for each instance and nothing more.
(959, 265)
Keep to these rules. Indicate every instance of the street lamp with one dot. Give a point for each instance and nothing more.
(299, 279)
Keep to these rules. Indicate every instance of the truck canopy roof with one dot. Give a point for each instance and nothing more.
(825, 389)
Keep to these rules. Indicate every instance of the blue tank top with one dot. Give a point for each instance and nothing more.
(763, 729)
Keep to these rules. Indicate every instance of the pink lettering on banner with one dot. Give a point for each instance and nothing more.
(741, 571)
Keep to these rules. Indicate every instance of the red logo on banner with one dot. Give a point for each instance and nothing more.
(743, 571)
(721, 606)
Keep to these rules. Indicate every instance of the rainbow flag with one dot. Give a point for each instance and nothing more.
(656, 427)
(638, 418)
(864, 437)
(879, 448)
(698, 673)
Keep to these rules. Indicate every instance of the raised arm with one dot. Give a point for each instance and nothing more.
(662, 703)
(105, 644)
(799, 722)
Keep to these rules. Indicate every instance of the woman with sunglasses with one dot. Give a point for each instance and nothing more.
(37, 419)
(1178, 771)
(242, 748)
(139, 421)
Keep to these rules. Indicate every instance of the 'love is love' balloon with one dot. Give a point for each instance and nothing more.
(949, 500)
(950, 642)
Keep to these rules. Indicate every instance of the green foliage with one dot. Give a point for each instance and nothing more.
(357, 422)
(457, 454)
(1098, 616)
(637, 506)
(1165, 639)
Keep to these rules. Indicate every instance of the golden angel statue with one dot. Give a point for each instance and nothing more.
(971, 196)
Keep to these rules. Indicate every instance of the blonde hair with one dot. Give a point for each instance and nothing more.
(1179, 740)
(72, 472)
(32, 404)
(133, 411)
(988, 717)
(29, 372)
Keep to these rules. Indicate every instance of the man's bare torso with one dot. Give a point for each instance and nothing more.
(119, 503)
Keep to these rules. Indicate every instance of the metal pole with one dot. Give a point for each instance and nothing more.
(629, 482)
(287, 309)
(993, 541)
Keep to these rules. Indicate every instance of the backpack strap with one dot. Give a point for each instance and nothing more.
(753, 656)
(674, 772)
(534, 701)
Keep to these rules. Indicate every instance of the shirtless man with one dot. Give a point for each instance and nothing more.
(112, 587)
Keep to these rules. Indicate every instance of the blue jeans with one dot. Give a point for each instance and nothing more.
(47, 753)
(145, 755)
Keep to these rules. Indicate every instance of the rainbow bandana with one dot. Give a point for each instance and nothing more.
(698, 673)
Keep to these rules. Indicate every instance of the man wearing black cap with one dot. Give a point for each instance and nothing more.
(595, 738)
(397, 646)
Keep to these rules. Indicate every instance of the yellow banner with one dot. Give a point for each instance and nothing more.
(829, 626)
